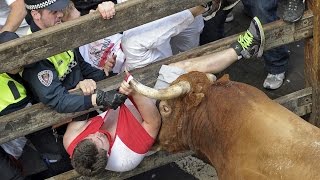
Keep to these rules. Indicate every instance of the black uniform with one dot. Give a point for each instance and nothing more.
(50, 89)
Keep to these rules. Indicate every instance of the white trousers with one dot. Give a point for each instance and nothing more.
(151, 42)
(188, 38)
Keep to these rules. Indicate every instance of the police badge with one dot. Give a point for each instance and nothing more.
(45, 77)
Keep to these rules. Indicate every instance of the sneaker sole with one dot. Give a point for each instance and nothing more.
(231, 6)
(296, 19)
(261, 48)
(207, 18)
(292, 21)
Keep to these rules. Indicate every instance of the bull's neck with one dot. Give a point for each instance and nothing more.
(207, 133)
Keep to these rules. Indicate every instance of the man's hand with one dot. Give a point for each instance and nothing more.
(107, 10)
(87, 86)
(125, 88)
(110, 99)
(109, 64)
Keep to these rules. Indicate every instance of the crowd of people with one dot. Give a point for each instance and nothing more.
(119, 138)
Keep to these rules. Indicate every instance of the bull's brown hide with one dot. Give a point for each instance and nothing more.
(243, 133)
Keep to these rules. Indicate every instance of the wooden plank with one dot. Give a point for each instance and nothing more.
(156, 160)
(86, 29)
(312, 58)
(39, 116)
(299, 102)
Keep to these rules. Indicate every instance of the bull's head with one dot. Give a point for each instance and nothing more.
(177, 105)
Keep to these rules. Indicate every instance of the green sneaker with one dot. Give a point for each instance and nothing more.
(251, 43)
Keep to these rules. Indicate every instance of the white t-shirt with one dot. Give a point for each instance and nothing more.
(93, 52)
(4, 12)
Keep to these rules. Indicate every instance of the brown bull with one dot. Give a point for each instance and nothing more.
(243, 133)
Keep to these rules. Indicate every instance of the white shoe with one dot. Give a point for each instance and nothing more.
(273, 81)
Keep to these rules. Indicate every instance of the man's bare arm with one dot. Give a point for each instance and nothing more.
(15, 17)
(147, 109)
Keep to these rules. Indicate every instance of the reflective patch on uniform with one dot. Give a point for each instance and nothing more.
(60, 62)
(45, 77)
(71, 65)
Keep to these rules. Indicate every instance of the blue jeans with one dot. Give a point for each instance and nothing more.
(276, 60)
(214, 28)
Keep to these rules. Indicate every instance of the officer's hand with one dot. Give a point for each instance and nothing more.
(88, 86)
(110, 99)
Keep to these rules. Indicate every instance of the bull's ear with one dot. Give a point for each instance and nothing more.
(194, 100)
(164, 108)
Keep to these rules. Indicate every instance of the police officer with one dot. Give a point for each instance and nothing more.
(51, 79)
(13, 97)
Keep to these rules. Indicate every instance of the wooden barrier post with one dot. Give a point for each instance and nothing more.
(312, 59)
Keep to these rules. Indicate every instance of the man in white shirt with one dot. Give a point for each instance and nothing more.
(12, 14)
(142, 45)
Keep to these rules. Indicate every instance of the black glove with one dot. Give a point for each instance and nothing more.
(110, 99)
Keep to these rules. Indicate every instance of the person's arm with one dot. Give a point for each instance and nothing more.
(147, 109)
(73, 129)
(46, 86)
(149, 113)
(15, 17)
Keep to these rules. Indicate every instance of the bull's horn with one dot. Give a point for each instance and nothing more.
(171, 92)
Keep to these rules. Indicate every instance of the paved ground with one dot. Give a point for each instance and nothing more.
(248, 71)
